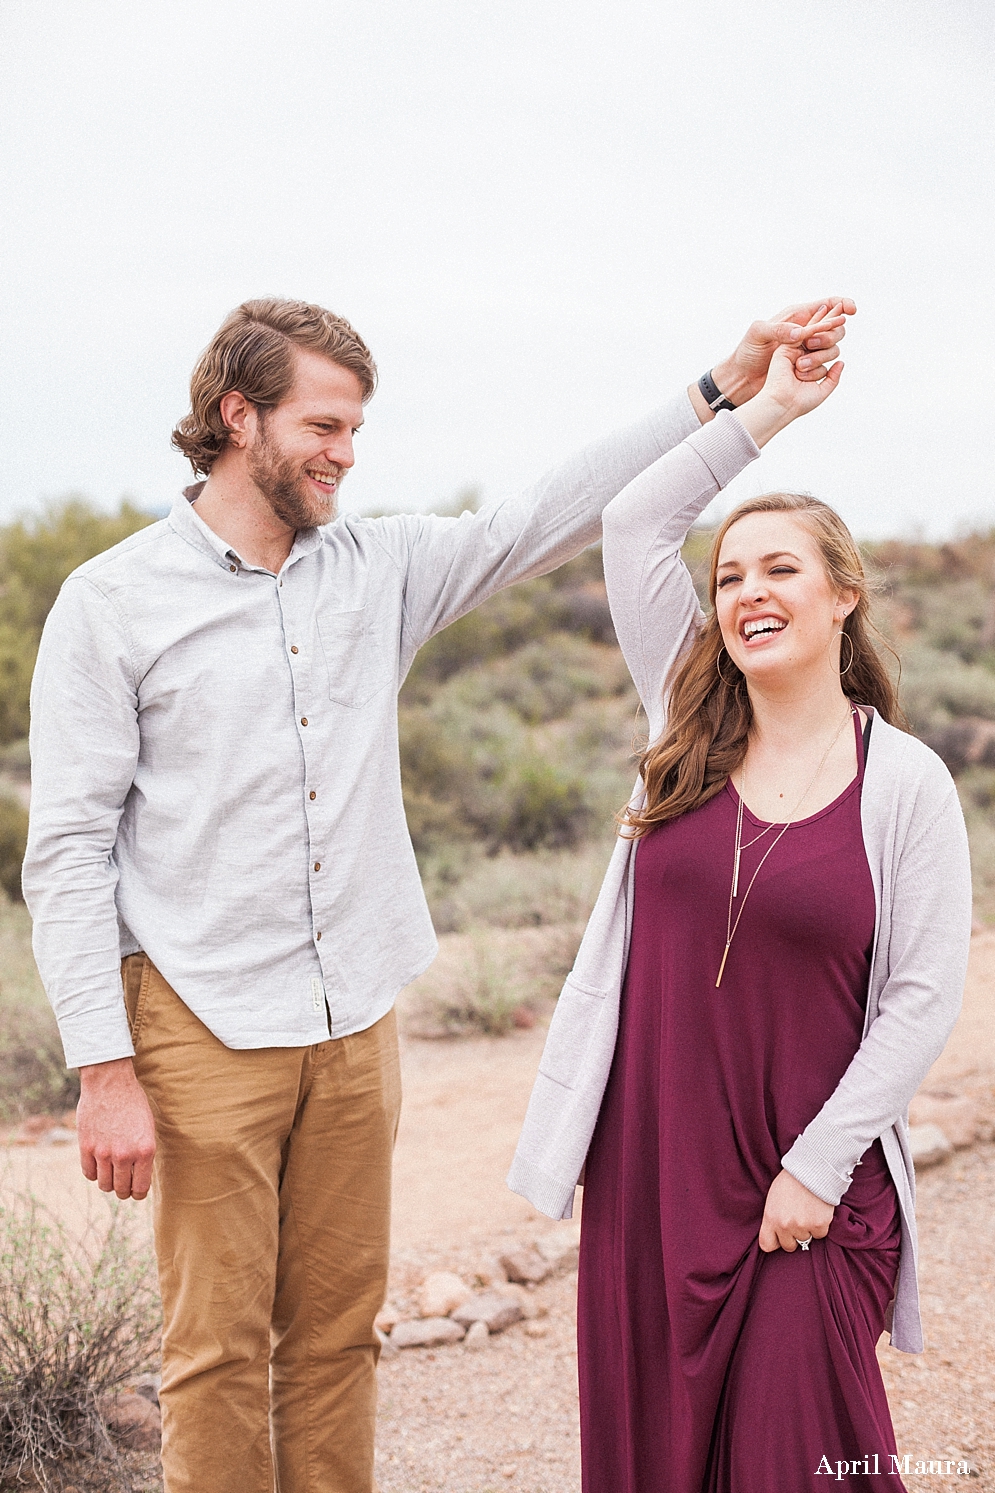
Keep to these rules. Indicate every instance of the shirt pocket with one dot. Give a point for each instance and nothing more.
(577, 1016)
(357, 667)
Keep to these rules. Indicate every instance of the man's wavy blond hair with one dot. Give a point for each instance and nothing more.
(252, 353)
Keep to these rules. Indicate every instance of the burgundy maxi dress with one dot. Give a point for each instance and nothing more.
(707, 1366)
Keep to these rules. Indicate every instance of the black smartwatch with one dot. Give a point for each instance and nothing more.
(712, 394)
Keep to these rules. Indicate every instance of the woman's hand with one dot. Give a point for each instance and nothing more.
(785, 394)
(792, 1213)
(742, 375)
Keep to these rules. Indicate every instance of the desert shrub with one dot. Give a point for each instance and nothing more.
(486, 994)
(937, 687)
(33, 1077)
(480, 774)
(541, 806)
(36, 555)
(544, 681)
(525, 752)
(500, 626)
(13, 843)
(540, 889)
(571, 600)
(77, 1319)
(488, 981)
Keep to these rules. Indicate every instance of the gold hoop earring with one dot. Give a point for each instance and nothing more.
(850, 660)
(718, 669)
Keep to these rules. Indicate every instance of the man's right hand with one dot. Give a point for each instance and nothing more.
(116, 1129)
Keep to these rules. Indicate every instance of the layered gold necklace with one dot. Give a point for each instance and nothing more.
(740, 847)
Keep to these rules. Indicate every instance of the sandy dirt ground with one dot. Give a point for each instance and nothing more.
(506, 1416)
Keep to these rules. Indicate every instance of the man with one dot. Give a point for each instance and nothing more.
(225, 897)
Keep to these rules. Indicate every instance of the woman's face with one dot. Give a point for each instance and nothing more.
(777, 609)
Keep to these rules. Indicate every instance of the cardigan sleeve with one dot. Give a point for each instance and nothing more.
(927, 943)
(650, 591)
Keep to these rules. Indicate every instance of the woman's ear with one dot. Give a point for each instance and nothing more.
(846, 602)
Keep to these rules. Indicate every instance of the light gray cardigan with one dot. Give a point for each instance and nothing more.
(916, 848)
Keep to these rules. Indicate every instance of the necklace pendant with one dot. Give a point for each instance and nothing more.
(722, 966)
(735, 874)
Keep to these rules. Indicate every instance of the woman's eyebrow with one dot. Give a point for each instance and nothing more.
(764, 559)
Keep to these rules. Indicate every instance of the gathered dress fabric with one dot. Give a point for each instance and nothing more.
(706, 1365)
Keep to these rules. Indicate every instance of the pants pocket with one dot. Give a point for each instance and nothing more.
(136, 973)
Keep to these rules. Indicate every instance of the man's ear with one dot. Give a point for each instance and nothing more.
(239, 417)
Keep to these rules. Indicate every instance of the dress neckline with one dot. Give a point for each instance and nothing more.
(851, 787)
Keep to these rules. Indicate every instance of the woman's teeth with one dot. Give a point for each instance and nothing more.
(753, 629)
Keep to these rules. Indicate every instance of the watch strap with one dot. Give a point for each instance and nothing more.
(712, 394)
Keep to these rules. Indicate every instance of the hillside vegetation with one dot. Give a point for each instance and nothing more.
(517, 733)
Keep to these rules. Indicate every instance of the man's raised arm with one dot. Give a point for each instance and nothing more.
(455, 564)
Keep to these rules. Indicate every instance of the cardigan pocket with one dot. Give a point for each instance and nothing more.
(575, 1020)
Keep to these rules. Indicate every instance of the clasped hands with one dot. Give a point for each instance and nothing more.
(809, 332)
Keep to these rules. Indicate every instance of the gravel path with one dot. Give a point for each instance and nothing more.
(506, 1416)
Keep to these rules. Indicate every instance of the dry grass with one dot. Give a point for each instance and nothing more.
(33, 1077)
(489, 980)
(78, 1318)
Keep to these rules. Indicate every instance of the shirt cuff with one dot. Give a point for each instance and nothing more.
(96, 1037)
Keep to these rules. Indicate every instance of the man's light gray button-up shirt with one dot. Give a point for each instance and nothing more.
(215, 774)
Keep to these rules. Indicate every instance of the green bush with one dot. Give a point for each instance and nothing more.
(36, 555)
(13, 842)
(542, 888)
(938, 687)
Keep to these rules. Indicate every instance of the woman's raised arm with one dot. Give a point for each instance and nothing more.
(651, 594)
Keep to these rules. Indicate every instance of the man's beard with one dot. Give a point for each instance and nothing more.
(286, 488)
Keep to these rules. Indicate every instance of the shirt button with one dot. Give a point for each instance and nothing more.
(293, 648)
(312, 794)
(317, 937)
(303, 720)
(317, 865)
(233, 567)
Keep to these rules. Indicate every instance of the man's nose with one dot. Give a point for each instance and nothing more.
(341, 452)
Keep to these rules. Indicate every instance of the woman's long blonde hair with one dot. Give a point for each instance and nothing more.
(709, 713)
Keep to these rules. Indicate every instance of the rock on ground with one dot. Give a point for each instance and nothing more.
(497, 1311)
(441, 1293)
(427, 1332)
(132, 1420)
(957, 1115)
(525, 1265)
(928, 1145)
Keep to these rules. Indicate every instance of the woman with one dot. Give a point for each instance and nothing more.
(785, 930)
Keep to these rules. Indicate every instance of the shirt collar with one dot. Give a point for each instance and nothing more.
(184, 518)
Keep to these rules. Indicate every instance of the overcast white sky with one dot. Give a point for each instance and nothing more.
(544, 216)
